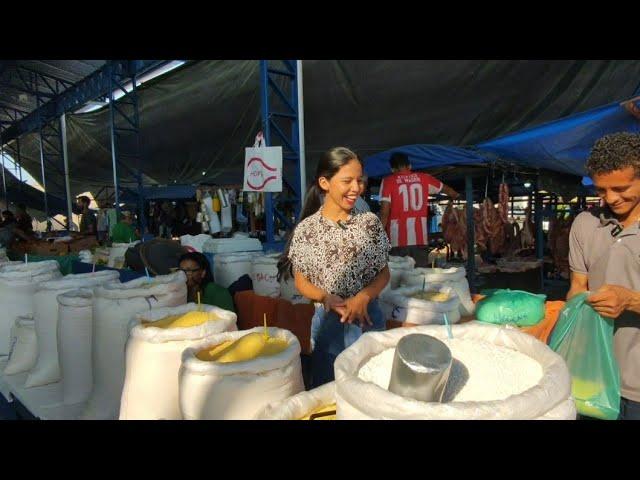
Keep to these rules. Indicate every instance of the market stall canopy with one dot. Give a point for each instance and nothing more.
(196, 120)
(422, 157)
(563, 145)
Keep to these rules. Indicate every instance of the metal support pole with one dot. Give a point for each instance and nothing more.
(4, 181)
(539, 232)
(65, 158)
(44, 180)
(471, 254)
(266, 128)
(303, 164)
(18, 161)
(114, 155)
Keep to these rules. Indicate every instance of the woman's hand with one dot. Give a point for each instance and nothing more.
(356, 310)
(333, 302)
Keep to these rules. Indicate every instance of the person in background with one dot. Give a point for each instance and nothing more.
(200, 279)
(88, 224)
(23, 219)
(124, 231)
(103, 225)
(404, 208)
(7, 218)
(604, 255)
(361, 205)
(338, 258)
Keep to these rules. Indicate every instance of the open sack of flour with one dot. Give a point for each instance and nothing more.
(416, 306)
(234, 375)
(398, 268)
(24, 347)
(18, 284)
(316, 404)
(114, 306)
(45, 314)
(497, 373)
(454, 277)
(154, 353)
(75, 315)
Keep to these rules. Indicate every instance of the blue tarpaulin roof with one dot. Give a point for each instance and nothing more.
(563, 145)
(422, 156)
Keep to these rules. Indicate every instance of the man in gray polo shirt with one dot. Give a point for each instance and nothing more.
(605, 254)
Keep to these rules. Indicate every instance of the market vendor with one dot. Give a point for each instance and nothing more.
(404, 208)
(124, 231)
(23, 220)
(604, 254)
(88, 222)
(338, 256)
(200, 280)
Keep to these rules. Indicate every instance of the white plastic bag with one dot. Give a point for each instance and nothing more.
(264, 275)
(360, 400)
(114, 306)
(18, 284)
(24, 348)
(45, 314)
(454, 277)
(300, 405)
(153, 359)
(75, 314)
(238, 391)
(398, 305)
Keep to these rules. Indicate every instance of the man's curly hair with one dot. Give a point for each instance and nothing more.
(615, 152)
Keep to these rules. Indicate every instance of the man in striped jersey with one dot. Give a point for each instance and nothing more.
(404, 208)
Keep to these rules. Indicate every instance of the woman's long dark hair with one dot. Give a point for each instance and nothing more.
(202, 262)
(331, 161)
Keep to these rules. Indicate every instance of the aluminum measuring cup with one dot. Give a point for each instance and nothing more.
(421, 367)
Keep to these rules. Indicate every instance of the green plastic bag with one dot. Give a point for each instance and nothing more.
(515, 307)
(585, 340)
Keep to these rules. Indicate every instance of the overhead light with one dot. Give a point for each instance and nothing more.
(527, 184)
(204, 173)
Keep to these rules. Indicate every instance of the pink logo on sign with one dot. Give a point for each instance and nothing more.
(260, 173)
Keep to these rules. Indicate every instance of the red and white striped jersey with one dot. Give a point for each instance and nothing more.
(408, 192)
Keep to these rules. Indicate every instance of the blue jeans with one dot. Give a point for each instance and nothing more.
(629, 410)
(330, 337)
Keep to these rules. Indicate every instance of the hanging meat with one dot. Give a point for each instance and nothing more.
(503, 202)
(558, 243)
(454, 229)
(527, 240)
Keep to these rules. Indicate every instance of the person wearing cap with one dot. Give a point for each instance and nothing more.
(124, 231)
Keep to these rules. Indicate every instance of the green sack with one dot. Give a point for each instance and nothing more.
(585, 340)
(515, 307)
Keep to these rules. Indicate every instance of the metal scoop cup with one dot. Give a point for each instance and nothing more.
(421, 367)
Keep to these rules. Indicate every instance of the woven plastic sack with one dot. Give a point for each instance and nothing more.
(585, 340)
(516, 307)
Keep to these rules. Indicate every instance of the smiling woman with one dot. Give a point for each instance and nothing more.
(338, 257)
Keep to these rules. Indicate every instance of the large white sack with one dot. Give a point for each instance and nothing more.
(264, 275)
(114, 306)
(153, 358)
(398, 268)
(399, 306)
(454, 277)
(195, 241)
(239, 390)
(360, 400)
(18, 284)
(24, 348)
(117, 251)
(300, 405)
(75, 313)
(229, 267)
(45, 314)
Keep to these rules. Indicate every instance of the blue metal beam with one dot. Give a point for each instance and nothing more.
(96, 85)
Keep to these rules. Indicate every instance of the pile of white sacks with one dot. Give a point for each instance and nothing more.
(97, 338)
(397, 299)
